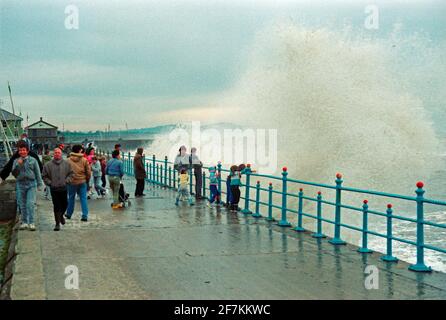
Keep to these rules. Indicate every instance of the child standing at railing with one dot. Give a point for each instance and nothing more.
(97, 174)
(228, 191)
(213, 186)
(235, 187)
(235, 183)
(183, 187)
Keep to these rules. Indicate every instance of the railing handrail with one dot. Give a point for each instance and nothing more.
(161, 171)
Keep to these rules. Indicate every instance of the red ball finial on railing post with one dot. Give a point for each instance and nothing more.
(248, 165)
(270, 183)
(319, 193)
(338, 175)
(301, 189)
(389, 206)
(420, 184)
(284, 169)
(366, 201)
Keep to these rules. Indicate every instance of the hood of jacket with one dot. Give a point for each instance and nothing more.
(76, 157)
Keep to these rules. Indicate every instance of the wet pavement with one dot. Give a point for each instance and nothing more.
(155, 250)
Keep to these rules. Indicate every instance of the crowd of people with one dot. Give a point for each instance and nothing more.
(83, 174)
(185, 162)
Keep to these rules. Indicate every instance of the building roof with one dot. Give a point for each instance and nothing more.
(8, 116)
(41, 125)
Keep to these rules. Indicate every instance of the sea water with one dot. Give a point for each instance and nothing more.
(370, 108)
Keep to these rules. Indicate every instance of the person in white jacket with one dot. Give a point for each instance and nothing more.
(182, 160)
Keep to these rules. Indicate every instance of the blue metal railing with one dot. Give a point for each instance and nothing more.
(162, 173)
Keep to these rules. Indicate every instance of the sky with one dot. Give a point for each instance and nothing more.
(143, 63)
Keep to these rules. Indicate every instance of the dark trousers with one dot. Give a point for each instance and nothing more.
(60, 203)
(235, 191)
(104, 181)
(215, 194)
(139, 187)
(198, 182)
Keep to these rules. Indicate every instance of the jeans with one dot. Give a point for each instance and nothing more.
(26, 199)
(228, 192)
(81, 190)
(97, 185)
(183, 192)
(114, 182)
(214, 193)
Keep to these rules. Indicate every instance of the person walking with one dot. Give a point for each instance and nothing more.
(57, 174)
(140, 172)
(103, 166)
(45, 159)
(115, 172)
(97, 174)
(6, 171)
(89, 148)
(196, 163)
(28, 179)
(78, 185)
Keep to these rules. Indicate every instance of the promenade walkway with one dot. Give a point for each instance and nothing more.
(155, 250)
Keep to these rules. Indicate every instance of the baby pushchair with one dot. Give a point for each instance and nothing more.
(123, 197)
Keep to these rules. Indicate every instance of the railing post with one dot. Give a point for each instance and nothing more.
(190, 181)
(420, 266)
(130, 164)
(270, 202)
(174, 179)
(319, 233)
(147, 169)
(204, 184)
(170, 177)
(283, 221)
(153, 168)
(365, 230)
(161, 175)
(247, 187)
(337, 235)
(157, 176)
(388, 257)
(144, 164)
(257, 213)
(299, 227)
(125, 162)
(165, 171)
(150, 171)
(219, 180)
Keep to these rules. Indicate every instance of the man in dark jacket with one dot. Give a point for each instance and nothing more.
(57, 174)
(8, 167)
(140, 173)
(196, 163)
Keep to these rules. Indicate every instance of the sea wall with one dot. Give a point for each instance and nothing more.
(8, 209)
(8, 204)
